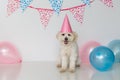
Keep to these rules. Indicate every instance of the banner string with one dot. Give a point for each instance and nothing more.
(65, 9)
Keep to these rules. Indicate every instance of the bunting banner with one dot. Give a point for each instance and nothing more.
(108, 3)
(12, 6)
(45, 16)
(24, 4)
(78, 13)
(56, 5)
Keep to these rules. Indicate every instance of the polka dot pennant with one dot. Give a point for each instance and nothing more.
(86, 2)
(78, 13)
(56, 5)
(24, 4)
(12, 6)
(45, 16)
(108, 3)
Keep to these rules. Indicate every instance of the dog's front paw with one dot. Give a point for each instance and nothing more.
(63, 70)
(58, 65)
(77, 65)
(72, 70)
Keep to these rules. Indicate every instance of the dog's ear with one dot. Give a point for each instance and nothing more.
(57, 36)
(75, 36)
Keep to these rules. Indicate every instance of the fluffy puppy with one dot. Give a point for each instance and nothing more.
(68, 57)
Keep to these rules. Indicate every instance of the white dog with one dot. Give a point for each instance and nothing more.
(68, 57)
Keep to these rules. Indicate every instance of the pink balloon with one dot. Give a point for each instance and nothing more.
(9, 54)
(85, 50)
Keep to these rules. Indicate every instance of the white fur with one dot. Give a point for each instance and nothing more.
(68, 57)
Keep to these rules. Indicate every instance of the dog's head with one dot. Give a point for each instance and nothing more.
(66, 38)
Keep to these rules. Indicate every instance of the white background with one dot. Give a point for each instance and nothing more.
(36, 43)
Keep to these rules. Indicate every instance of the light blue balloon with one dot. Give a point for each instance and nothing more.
(102, 58)
(115, 47)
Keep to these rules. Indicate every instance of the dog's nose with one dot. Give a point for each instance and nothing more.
(66, 38)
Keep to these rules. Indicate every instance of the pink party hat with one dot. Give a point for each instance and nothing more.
(66, 27)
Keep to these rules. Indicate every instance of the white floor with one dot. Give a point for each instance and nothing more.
(48, 71)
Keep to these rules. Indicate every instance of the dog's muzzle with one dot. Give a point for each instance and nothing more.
(66, 40)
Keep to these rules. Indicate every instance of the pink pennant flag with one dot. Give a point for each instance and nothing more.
(12, 6)
(78, 13)
(45, 16)
(108, 3)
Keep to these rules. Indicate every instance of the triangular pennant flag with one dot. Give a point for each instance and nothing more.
(24, 4)
(78, 13)
(12, 6)
(108, 3)
(45, 16)
(56, 5)
(86, 2)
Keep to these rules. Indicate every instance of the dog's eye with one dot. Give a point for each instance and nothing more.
(69, 34)
(63, 34)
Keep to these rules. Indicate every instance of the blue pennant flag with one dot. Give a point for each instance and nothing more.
(86, 2)
(24, 4)
(56, 5)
